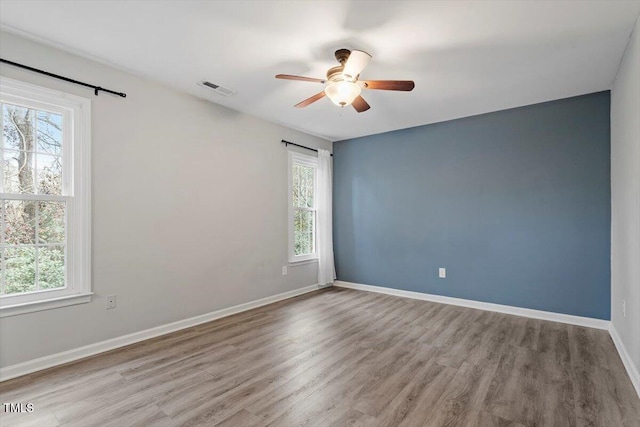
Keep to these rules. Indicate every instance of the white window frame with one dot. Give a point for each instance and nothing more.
(303, 159)
(76, 173)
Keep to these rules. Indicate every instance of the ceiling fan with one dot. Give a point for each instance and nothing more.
(343, 86)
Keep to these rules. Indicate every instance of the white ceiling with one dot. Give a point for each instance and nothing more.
(466, 57)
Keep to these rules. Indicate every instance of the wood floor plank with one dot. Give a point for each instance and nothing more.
(345, 416)
(374, 399)
(310, 404)
(341, 357)
(438, 380)
(41, 417)
(272, 406)
(484, 419)
(465, 393)
(407, 404)
(464, 346)
(241, 418)
(528, 390)
(211, 411)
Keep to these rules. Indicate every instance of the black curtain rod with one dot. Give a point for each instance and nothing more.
(96, 89)
(301, 146)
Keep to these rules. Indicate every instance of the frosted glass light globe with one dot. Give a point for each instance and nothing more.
(342, 93)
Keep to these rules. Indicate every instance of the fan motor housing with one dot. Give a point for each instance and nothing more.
(335, 73)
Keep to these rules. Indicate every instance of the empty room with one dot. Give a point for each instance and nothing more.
(320, 213)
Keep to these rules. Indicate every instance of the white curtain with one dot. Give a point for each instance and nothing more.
(326, 267)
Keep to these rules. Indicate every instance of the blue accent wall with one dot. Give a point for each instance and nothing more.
(515, 204)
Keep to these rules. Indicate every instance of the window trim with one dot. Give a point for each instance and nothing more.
(295, 157)
(77, 179)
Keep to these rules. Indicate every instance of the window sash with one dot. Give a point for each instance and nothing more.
(68, 130)
(69, 285)
(305, 209)
(300, 184)
(35, 197)
(313, 232)
(307, 161)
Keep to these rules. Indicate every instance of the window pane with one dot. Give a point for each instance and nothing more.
(51, 267)
(49, 134)
(302, 186)
(20, 271)
(51, 222)
(307, 186)
(17, 127)
(19, 222)
(49, 174)
(296, 185)
(303, 226)
(10, 174)
(19, 171)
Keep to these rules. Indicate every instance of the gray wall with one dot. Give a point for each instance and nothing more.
(189, 208)
(515, 204)
(625, 199)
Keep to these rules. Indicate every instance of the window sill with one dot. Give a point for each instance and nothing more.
(303, 262)
(30, 307)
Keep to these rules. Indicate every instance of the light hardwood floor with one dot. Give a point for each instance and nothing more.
(341, 357)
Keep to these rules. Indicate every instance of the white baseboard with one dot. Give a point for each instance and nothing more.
(507, 309)
(24, 368)
(631, 368)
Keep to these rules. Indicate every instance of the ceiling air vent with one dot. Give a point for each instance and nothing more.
(220, 90)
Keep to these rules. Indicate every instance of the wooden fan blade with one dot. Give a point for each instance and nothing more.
(360, 104)
(310, 100)
(301, 78)
(405, 85)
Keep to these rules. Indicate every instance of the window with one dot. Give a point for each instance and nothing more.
(302, 207)
(44, 198)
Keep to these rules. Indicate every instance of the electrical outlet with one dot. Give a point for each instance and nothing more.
(442, 273)
(111, 302)
(284, 270)
(624, 308)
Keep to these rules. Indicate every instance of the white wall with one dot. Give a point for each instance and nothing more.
(189, 208)
(625, 199)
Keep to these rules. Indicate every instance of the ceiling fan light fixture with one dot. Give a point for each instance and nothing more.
(343, 84)
(342, 93)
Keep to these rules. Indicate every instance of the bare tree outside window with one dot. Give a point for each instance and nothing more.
(33, 237)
